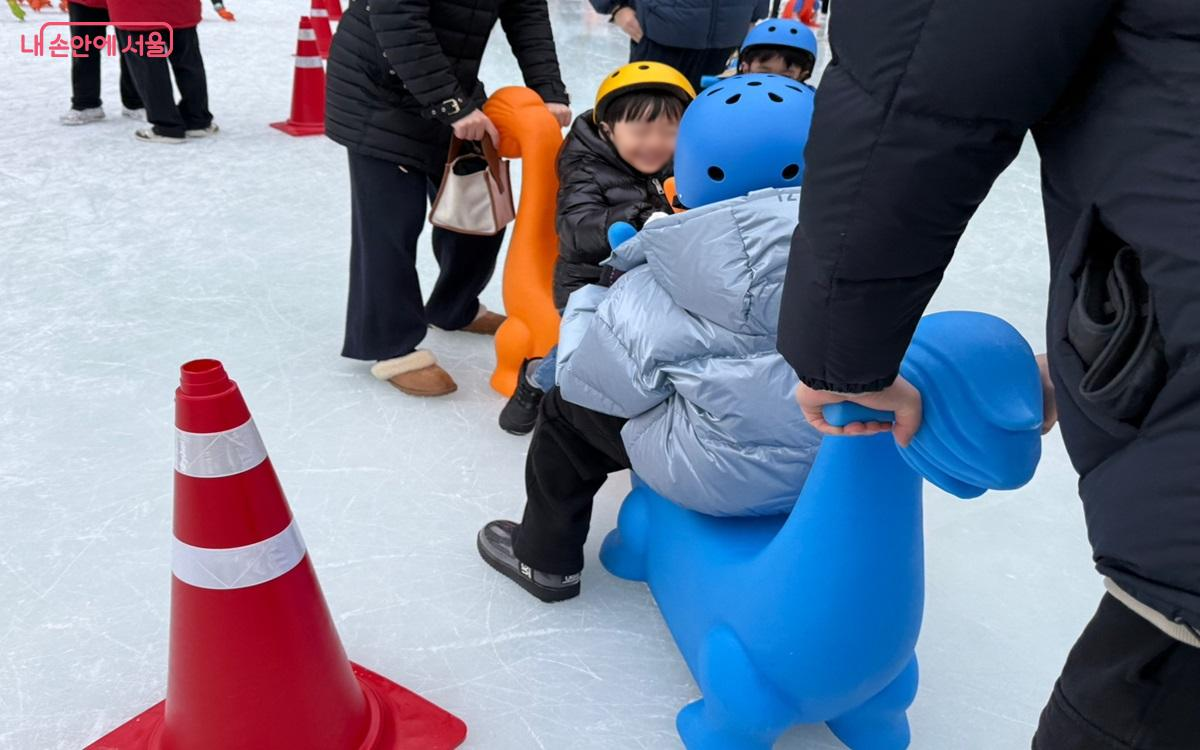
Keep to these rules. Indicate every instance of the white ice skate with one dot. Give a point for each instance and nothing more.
(203, 132)
(82, 116)
(148, 135)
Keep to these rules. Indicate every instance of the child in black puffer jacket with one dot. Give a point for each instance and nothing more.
(611, 169)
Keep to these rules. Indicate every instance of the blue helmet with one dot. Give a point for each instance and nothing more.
(781, 32)
(745, 133)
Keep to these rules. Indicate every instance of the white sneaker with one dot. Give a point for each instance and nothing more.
(149, 136)
(82, 116)
(203, 132)
(134, 114)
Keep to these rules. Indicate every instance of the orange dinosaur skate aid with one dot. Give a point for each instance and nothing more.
(530, 133)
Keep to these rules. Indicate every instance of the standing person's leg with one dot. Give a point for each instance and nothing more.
(571, 454)
(85, 70)
(188, 66)
(131, 98)
(698, 63)
(465, 266)
(693, 63)
(1126, 685)
(385, 318)
(153, 78)
(647, 51)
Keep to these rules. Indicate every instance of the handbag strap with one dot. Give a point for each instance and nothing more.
(493, 159)
(490, 154)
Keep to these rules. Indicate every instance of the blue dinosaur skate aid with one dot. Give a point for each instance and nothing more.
(813, 616)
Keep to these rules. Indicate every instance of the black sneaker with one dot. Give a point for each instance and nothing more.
(520, 413)
(496, 548)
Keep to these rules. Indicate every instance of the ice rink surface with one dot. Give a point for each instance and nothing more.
(122, 260)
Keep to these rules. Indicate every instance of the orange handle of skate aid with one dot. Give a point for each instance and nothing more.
(670, 192)
(530, 133)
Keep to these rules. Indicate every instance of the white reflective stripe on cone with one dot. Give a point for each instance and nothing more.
(307, 35)
(219, 454)
(238, 567)
(318, 13)
(308, 62)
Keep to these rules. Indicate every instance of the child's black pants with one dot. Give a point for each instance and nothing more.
(1126, 686)
(571, 453)
(385, 314)
(153, 77)
(85, 70)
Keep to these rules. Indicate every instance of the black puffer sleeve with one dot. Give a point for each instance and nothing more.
(925, 102)
(411, 47)
(526, 23)
(585, 213)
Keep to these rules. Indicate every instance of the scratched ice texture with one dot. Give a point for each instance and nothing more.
(121, 260)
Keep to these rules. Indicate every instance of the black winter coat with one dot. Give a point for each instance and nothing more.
(596, 189)
(394, 61)
(924, 104)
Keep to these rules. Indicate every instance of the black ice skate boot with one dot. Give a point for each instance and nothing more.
(520, 413)
(496, 548)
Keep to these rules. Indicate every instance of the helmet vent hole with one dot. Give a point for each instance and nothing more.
(713, 91)
(772, 28)
(733, 99)
(716, 174)
(790, 171)
(754, 83)
(614, 75)
(793, 31)
(796, 88)
(643, 67)
(774, 97)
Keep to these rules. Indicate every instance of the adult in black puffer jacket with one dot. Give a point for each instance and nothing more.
(924, 104)
(591, 174)
(402, 76)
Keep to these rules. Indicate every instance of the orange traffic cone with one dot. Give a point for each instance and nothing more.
(255, 660)
(308, 87)
(335, 9)
(320, 24)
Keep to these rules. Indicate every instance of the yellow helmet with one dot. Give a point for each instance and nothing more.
(639, 76)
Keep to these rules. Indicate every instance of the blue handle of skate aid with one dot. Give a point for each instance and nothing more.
(706, 81)
(842, 414)
(620, 233)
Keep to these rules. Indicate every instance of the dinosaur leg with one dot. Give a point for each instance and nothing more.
(624, 550)
(881, 722)
(514, 342)
(740, 710)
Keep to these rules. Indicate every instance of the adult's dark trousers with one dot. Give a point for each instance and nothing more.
(153, 77)
(571, 453)
(1126, 686)
(385, 315)
(85, 68)
(693, 63)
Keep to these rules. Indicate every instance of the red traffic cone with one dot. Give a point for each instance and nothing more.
(255, 661)
(335, 9)
(320, 24)
(308, 87)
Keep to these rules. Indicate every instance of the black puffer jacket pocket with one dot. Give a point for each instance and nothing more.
(1113, 328)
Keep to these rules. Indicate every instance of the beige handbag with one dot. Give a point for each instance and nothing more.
(476, 193)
